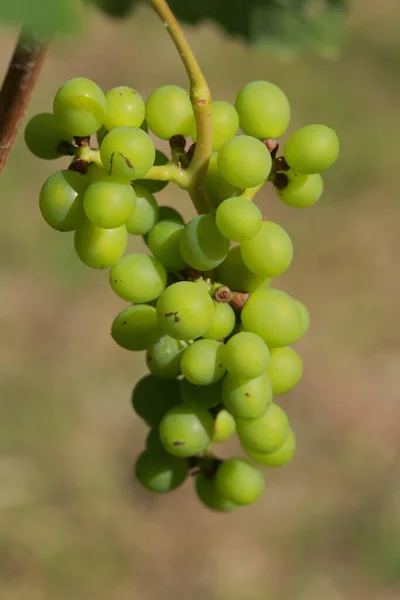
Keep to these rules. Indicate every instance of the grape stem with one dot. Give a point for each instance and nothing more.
(250, 193)
(200, 97)
(23, 71)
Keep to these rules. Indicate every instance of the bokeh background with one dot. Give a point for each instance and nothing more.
(73, 524)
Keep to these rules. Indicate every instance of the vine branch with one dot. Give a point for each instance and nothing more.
(201, 100)
(17, 88)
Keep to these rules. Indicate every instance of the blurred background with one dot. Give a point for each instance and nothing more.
(73, 524)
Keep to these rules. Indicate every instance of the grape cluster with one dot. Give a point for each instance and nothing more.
(217, 336)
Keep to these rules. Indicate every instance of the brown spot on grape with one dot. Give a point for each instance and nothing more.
(178, 443)
(247, 394)
(175, 315)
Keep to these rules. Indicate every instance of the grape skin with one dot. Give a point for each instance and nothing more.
(61, 200)
(263, 109)
(136, 327)
(169, 112)
(240, 481)
(43, 135)
(203, 362)
(278, 458)
(209, 494)
(274, 316)
(152, 398)
(270, 252)
(109, 204)
(160, 472)
(247, 398)
(80, 105)
(246, 355)
(265, 434)
(185, 310)
(146, 212)
(201, 244)
(285, 369)
(127, 153)
(138, 278)
(223, 322)
(244, 161)
(124, 106)
(225, 121)
(238, 219)
(302, 190)
(186, 431)
(164, 240)
(200, 396)
(312, 149)
(234, 273)
(224, 427)
(99, 248)
(163, 357)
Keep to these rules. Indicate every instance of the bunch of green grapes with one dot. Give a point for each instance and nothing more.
(217, 335)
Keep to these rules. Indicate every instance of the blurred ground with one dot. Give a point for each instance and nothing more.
(72, 525)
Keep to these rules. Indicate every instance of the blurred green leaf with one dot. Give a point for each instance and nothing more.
(42, 17)
(283, 25)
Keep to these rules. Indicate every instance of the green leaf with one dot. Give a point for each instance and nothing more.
(282, 25)
(42, 17)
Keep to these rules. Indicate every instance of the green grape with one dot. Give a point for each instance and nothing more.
(224, 426)
(152, 398)
(264, 110)
(127, 153)
(234, 273)
(265, 434)
(61, 198)
(169, 112)
(101, 134)
(304, 317)
(109, 204)
(238, 219)
(163, 357)
(239, 481)
(301, 190)
(185, 310)
(201, 244)
(203, 362)
(311, 149)
(163, 241)
(124, 107)
(186, 431)
(136, 327)
(208, 493)
(270, 252)
(138, 278)
(160, 472)
(43, 135)
(145, 215)
(246, 355)
(274, 316)
(96, 173)
(223, 322)
(247, 398)
(153, 442)
(278, 458)
(201, 396)
(169, 214)
(225, 121)
(99, 248)
(80, 106)
(153, 185)
(244, 161)
(216, 187)
(285, 369)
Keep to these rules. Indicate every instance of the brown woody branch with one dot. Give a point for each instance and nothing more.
(17, 88)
